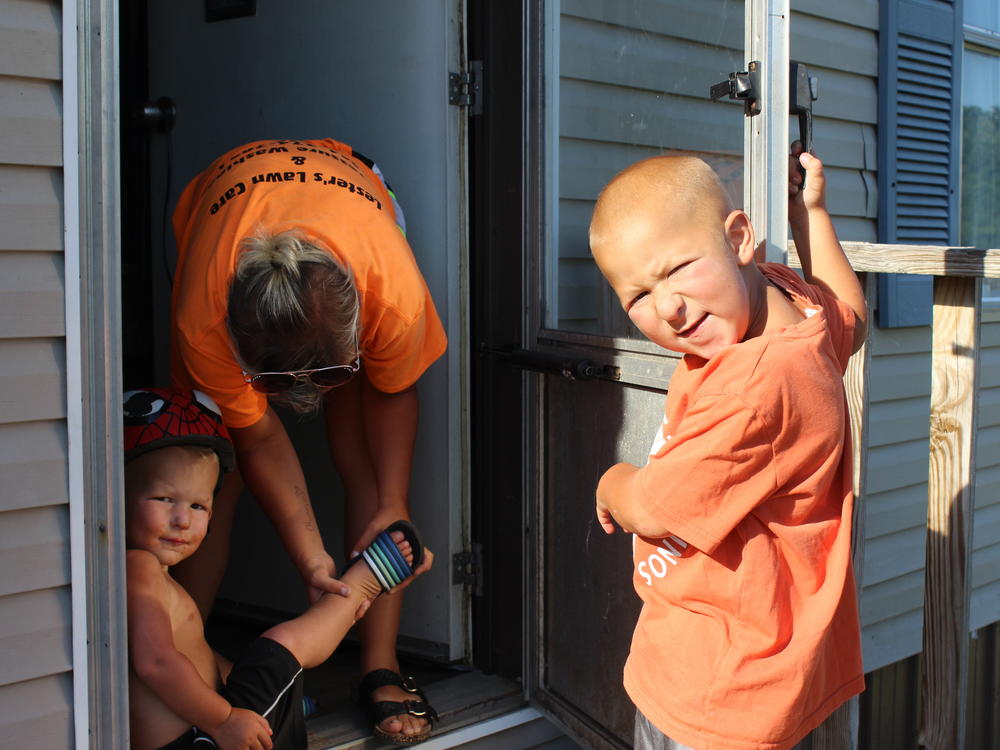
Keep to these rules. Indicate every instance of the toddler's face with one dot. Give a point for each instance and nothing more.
(168, 496)
(681, 282)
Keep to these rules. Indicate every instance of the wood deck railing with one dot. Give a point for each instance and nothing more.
(958, 274)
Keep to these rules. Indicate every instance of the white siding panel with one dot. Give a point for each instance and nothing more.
(889, 641)
(863, 13)
(30, 208)
(889, 511)
(33, 469)
(34, 634)
(844, 96)
(38, 713)
(31, 121)
(893, 598)
(822, 42)
(31, 295)
(905, 376)
(635, 58)
(34, 549)
(891, 420)
(855, 229)
(599, 112)
(32, 380)
(985, 603)
(989, 406)
(895, 555)
(718, 22)
(30, 44)
(898, 465)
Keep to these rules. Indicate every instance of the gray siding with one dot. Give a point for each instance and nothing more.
(35, 618)
(985, 562)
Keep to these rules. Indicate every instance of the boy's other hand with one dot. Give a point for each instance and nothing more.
(243, 730)
(612, 494)
(804, 192)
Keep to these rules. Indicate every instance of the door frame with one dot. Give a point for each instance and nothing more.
(93, 377)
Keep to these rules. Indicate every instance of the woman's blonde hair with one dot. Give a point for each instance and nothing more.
(292, 306)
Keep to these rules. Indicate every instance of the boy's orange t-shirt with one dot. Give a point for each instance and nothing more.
(748, 636)
(323, 190)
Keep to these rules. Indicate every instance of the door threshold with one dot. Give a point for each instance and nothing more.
(463, 700)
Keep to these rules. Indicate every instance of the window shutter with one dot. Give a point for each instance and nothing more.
(920, 89)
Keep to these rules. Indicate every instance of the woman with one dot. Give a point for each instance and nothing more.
(295, 284)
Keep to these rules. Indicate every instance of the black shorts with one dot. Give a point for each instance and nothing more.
(266, 679)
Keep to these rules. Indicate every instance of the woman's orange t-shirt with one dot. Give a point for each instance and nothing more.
(748, 636)
(321, 189)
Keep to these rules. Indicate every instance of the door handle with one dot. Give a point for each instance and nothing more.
(802, 93)
(570, 368)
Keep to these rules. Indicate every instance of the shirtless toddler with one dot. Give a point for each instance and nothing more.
(181, 694)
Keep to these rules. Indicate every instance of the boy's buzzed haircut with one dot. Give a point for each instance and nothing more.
(683, 185)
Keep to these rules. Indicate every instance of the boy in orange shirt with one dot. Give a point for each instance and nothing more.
(181, 694)
(748, 636)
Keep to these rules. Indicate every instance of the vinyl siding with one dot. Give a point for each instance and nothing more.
(985, 562)
(35, 619)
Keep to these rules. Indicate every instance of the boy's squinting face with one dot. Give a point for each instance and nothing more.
(681, 282)
(168, 496)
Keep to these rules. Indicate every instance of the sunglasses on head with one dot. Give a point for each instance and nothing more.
(273, 383)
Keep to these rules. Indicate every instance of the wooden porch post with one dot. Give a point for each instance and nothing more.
(955, 365)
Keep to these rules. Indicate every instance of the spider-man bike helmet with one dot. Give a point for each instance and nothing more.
(160, 417)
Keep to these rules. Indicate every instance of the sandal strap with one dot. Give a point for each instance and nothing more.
(378, 678)
(382, 710)
(384, 559)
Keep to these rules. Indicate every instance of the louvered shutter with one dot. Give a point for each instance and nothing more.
(920, 89)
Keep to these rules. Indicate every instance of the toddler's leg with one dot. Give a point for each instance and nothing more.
(314, 635)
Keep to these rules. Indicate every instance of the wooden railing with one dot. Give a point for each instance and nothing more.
(958, 274)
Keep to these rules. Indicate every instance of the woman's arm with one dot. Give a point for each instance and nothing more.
(271, 470)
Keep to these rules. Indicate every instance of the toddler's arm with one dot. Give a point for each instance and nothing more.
(823, 261)
(169, 673)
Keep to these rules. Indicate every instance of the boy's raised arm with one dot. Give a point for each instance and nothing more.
(823, 261)
(169, 673)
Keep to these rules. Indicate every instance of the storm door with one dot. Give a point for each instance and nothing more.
(617, 82)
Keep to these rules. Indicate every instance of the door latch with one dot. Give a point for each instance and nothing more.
(744, 86)
(569, 367)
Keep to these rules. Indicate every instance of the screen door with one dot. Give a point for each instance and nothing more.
(617, 82)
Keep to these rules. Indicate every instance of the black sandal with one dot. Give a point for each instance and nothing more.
(379, 711)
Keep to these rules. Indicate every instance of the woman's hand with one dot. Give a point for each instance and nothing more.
(318, 573)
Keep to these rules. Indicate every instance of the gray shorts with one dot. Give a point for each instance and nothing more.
(648, 737)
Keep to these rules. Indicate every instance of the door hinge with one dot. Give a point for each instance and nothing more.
(467, 569)
(466, 89)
